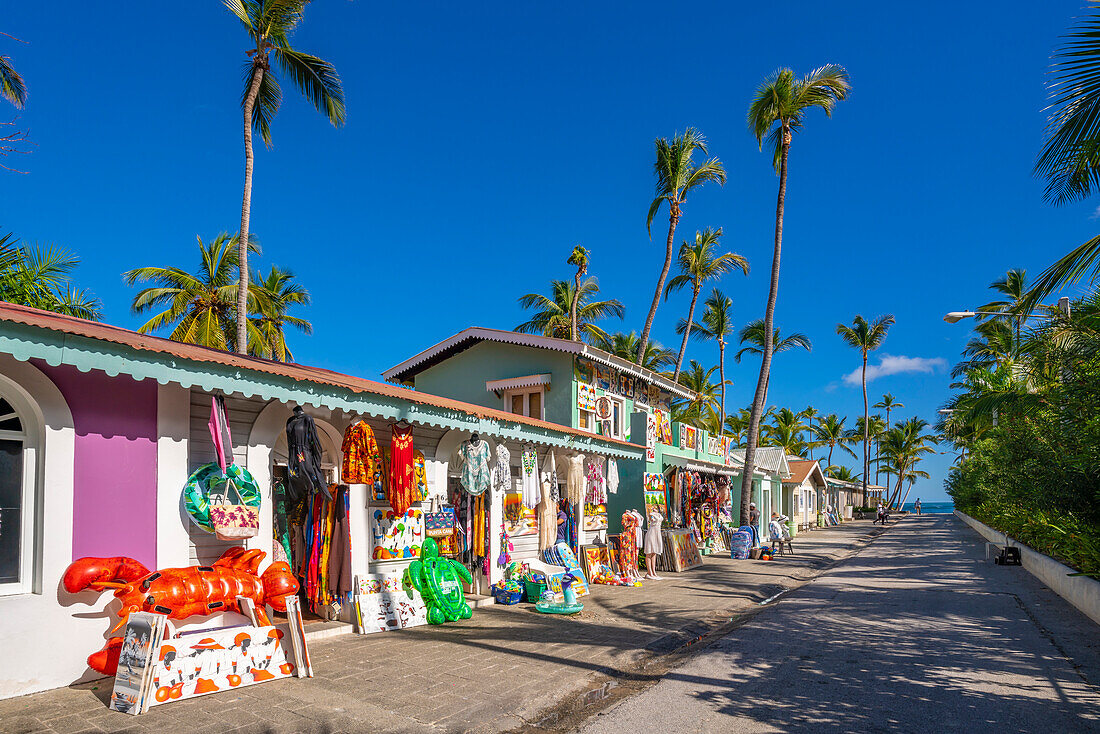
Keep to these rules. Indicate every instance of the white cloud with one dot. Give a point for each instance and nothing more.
(891, 365)
(1095, 214)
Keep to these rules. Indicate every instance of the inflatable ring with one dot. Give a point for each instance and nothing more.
(196, 493)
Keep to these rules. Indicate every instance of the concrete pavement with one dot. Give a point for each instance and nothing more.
(506, 668)
(915, 633)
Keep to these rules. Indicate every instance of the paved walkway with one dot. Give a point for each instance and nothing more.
(505, 668)
(916, 633)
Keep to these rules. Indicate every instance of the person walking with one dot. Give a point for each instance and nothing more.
(881, 515)
(916, 505)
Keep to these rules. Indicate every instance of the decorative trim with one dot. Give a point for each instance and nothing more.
(514, 383)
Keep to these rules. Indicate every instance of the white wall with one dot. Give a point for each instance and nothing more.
(43, 642)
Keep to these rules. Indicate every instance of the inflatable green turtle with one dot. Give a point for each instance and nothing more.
(439, 581)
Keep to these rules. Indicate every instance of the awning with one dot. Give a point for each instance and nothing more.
(699, 466)
(514, 383)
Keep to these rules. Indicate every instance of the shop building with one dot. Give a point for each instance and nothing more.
(807, 489)
(100, 428)
(590, 390)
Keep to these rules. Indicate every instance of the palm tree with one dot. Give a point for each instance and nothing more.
(280, 292)
(12, 86)
(552, 317)
(737, 426)
(698, 264)
(1070, 158)
(830, 431)
(269, 24)
(875, 428)
(677, 176)
(887, 403)
(716, 324)
(809, 414)
(655, 358)
(903, 447)
(842, 473)
(579, 258)
(786, 431)
(866, 337)
(752, 334)
(777, 111)
(700, 381)
(40, 277)
(1014, 291)
(199, 308)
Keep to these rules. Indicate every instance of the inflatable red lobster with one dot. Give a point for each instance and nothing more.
(179, 592)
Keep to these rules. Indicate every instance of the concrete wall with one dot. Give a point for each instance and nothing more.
(1080, 591)
(115, 463)
(463, 376)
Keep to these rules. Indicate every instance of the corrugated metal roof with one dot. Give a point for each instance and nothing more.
(467, 338)
(171, 350)
(771, 459)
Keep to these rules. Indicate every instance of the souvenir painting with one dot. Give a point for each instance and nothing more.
(653, 488)
(583, 372)
(395, 537)
(595, 517)
(134, 659)
(641, 394)
(651, 393)
(682, 550)
(691, 436)
(586, 397)
(604, 377)
(519, 519)
(209, 661)
(383, 604)
(626, 385)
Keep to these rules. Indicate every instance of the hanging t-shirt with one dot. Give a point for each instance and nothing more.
(530, 478)
(612, 476)
(475, 466)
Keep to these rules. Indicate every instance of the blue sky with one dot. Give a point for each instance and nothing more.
(484, 141)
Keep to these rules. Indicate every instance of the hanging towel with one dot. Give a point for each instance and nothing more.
(219, 432)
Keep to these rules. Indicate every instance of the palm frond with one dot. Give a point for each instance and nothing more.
(317, 80)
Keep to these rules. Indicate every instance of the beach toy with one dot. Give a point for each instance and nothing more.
(569, 605)
(439, 581)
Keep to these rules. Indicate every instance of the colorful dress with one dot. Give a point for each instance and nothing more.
(402, 473)
(530, 478)
(475, 466)
(628, 546)
(596, 492)
(361, 454)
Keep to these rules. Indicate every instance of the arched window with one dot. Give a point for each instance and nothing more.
(16, 506)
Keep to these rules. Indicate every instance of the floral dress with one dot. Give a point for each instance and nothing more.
(596, 491)
(475, 466)
(361, 454)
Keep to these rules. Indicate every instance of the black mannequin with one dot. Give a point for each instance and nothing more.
(304, 459)
(475, 439)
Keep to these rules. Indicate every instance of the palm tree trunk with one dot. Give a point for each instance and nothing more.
(246, 213)
(769, 319)
(687, 331)
(902, 505)
(573, 306)
(673, 218)
(866, 433)
(887, 472)
(722, 377)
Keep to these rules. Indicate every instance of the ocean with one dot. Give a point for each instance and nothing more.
(932, 508)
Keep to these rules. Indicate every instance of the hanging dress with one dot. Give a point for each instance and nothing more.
(402, 472)
(475, 466)
(628, 546)
(530, 477)
(420, 484)
(502, 470)
(654, 543)
(574, 485)
(304, 457)
(596, 492)
(612, 476)
(547, 517)
(361, 454)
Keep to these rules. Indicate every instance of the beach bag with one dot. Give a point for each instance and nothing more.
(232, 520)
(740, 544)
(439, 524)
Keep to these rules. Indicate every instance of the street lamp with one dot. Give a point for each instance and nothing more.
(954, 317)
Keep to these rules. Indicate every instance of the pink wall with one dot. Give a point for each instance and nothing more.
(115, 472)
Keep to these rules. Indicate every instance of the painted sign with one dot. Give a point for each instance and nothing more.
(394, 537)
(586, 396)
(650, 437)
(654, 494)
